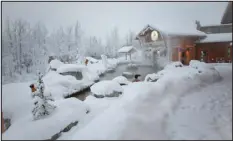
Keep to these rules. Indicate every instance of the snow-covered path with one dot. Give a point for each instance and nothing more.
(206, 113)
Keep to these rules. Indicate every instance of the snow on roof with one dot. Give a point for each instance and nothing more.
(220, 37)
(181, 30)
(210, 25)
(70, 68)
(125, 49)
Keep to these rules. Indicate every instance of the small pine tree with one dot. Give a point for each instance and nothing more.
(42, 107)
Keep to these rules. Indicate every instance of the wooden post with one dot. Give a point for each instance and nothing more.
(3, 129)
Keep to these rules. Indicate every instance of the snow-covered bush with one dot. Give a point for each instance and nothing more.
(121, 80)
(42, 107)
(106, 89)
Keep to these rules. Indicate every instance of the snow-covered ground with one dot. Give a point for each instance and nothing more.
(17, 105)
(186, 102)
(156, 110)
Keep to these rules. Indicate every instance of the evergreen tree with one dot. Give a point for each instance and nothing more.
(42, 107)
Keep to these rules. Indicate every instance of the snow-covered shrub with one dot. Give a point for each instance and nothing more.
(42, 107)
(121, 80)
(106, 89)
(132, 66)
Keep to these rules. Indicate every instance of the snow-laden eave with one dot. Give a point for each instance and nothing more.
(126, 49)
(171, 33)
(214, 38)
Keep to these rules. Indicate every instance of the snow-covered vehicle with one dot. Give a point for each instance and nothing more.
(69, 79)
(106, 88)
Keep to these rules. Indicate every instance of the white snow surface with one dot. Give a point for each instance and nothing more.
(60, 86)
(106, 87)
(173, 65)
(92, 59)
(121, 80)
(218, 37)
(70, 68)
(17, 105)
(145, 109)
(54, 64)
(125, 49)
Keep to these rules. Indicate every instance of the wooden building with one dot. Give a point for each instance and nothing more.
(210, 43)
(177, 44)
(217, 46)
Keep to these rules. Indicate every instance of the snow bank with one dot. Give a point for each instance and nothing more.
(17, 104)
(70, 68)
(92, 60)
(67, 111)
(173, 65)
(152, 77)
(106, 88)
(121, 80)
(61, 86)
(144, 107)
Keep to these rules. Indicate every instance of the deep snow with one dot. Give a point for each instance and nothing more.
(145, 108)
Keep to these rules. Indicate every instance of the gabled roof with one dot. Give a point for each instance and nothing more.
(227, 16)
(174, 30)
(125, 49)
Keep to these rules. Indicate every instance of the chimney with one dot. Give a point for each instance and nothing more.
(198, 25)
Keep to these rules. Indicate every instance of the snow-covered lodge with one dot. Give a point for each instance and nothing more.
(212, 43)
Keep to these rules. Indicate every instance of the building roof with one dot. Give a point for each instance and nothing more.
(125, 49)
(227, 16)
(220, 37)
(182, 30)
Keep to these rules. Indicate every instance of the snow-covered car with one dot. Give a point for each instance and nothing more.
(69, 79)
(106, 88)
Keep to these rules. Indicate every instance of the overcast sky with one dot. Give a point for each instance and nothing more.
(99, 18)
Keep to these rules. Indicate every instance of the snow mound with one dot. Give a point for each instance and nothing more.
(55, 64)
(70, 68)
(17, 104)
(121, 80)
(106, 88)
(152, 77)
(198, 65)
(174, 65)
(127, 74)
(67, 111)
(92, 60)
(61, 86)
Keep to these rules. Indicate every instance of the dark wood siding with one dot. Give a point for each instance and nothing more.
(215, 51)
